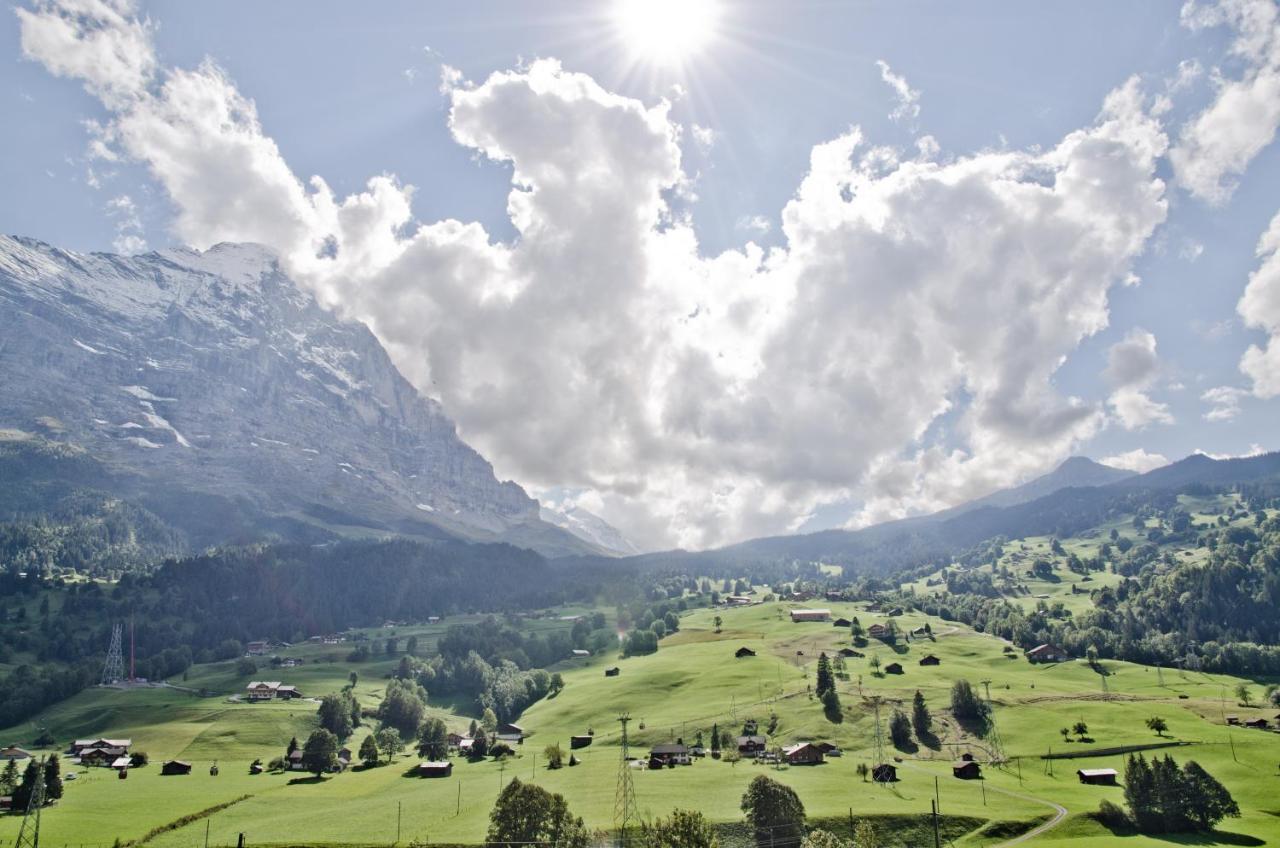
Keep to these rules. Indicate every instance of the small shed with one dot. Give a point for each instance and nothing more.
(884, 773)
(1233, 719)
(580, 741)
(841, 622)
(175, 767)
(893, 668)
(930, 660)
(1259, 723)
(612, 671)
(966, 770)
(744, 652)
(120, 763)
(1097, 777)
(850, 652)
(435, 768)
(510, 729)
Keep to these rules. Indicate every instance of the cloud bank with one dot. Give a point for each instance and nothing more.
(897, 350)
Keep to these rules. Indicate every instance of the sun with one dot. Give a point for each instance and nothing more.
(667, 32)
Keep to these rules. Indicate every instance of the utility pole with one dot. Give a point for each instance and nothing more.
(397, 822)
(625, 812)
(937, 839)
(29, 833)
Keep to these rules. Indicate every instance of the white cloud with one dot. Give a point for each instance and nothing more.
(1132, 367)
(700, 398)
(1260, 307)
(1135, 460)
(908, 107)
(128, 224)
(758, 224)
(1224, 402)
(1254, 450)
(1216, 146)
(703, 137)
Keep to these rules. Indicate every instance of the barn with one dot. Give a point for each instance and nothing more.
(612, 671)
(966, 770)
(893, 668)
(810, 614)
(930, 660)
(175, 767)
(803, 754)
(435, 768)
(581, 741)
(1097, 777)
(744, 652)
(884, 773)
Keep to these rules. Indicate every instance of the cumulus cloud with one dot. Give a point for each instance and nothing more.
(908, 98)
(128, 238)
(1217, 145)
(897, 349)
(1138, 460)
(1260, 307)
(1132, 367)
(1224, 402)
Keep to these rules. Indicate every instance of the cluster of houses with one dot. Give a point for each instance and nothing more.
(753, 745)
(1258, 723)
(109, 753)
(266, 690)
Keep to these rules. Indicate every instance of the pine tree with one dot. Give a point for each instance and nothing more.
(369, 751)
(715, 739)
(1139, 793)
(900, 729)
(22, 793)
(825, 681)
(52, 779)
(920, 717)
(9, 777)
(1208, 801)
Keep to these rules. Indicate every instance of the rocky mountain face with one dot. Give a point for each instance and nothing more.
(589, 527)
(213, 373)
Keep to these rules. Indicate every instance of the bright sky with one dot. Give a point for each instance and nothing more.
(714, 269)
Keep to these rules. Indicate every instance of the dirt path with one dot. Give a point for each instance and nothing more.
(1060, 813)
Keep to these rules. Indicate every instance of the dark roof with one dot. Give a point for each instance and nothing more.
(744, 652)
(671, 748)
(752, 739)
(893, 668)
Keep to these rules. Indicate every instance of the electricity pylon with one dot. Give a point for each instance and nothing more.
(113, 670)
(29, 833)
(994, 737)
(625, 812)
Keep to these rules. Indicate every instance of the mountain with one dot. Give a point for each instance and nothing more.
(224, 399)
(589, 527)
(1078, 494)
(1075, 472)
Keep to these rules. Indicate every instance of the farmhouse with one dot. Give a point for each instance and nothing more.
(877, 631)
(751, 744)
(613, 671)
(580, 741)
(803, 754)
(1097, 777)
(744, 652)
(930, 660)
(1047, 653)
(466, 745)
(175, 767)
(79, 746)
(810, 614)
(255, 649)
(435, 768)
(669, 754)
(884, 773)
(295, 760)
(510, 729)
(966, 770)
(893, 668)
(13, 752)
(261, 690)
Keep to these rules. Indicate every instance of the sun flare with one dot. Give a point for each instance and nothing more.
(667, 32)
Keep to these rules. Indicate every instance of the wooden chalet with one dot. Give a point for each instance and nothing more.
(803, 754)
(79, 746)
(175, 767)
(744, 652)
(669, 754)
(435, 768)
(751, 744)
(612, 671)
(13, 752)
(930, 660)
(1258, 723)
(256, 649)
(287, 693)
(884, 773)
(841, 622)
(893, 668)
(1047, 653)
(877, 631)
(580, 741)
(810, 614)
(966, 770)
(1097, 777)
(261, 690)
(510, 729)
(850, 652)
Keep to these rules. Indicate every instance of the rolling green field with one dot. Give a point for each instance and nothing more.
(691, 683)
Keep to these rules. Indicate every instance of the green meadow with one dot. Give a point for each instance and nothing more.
(693, 682)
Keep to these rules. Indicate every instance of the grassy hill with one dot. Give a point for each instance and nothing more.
(693, 682)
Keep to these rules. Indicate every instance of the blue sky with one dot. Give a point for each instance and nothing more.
(350, 92)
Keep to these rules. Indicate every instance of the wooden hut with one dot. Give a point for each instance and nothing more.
(966, 770)
(175, 767)
(1097, 777)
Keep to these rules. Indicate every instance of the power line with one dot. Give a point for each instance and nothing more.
(113, 670)
(29, 833)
